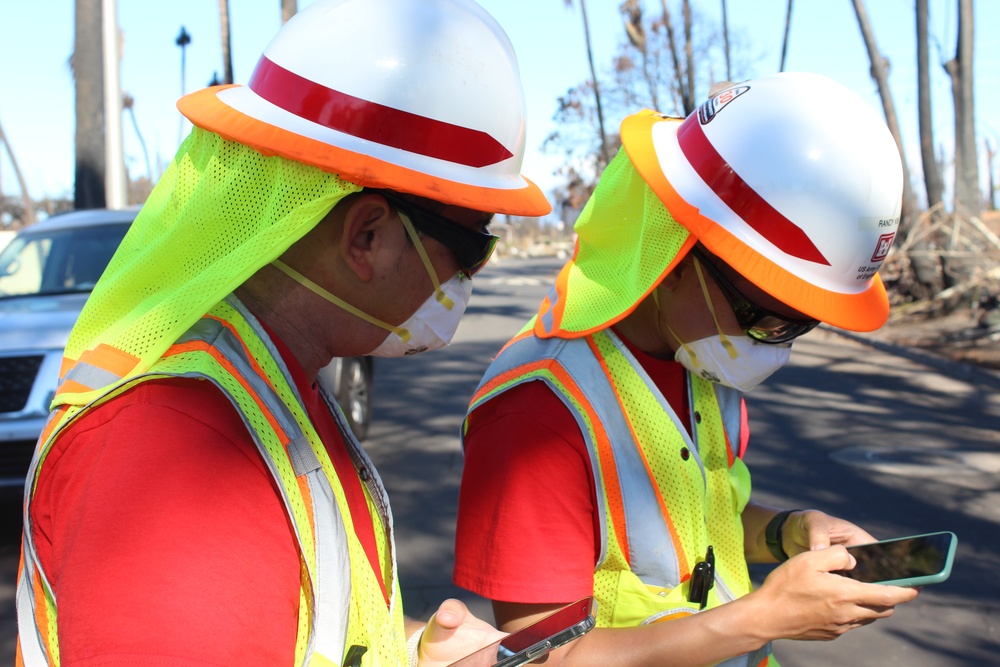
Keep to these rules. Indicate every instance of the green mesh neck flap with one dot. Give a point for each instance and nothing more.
(219, 213)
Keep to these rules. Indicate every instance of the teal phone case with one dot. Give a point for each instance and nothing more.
(915, 560)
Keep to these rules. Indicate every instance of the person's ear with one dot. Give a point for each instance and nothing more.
(365, 223)
(672, 280)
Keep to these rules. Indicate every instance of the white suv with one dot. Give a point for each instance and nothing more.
(46, 274)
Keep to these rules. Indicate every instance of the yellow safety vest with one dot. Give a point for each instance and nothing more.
(341, 601)
(663, 497)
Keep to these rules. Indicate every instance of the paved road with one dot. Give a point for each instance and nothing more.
(898, 444)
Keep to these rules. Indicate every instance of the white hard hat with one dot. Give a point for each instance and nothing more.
(420, 96)
(793, 180)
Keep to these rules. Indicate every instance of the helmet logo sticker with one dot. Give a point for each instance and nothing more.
(882, 247)
(708, 110)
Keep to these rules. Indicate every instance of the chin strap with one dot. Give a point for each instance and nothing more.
(336, 300)
(730, 349)
(442, 298)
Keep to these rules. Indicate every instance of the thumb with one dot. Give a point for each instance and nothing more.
(449, 617)
(833, 558)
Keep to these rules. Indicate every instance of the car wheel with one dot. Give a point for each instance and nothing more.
(355, 395)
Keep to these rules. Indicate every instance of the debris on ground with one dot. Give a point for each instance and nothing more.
(943, 280)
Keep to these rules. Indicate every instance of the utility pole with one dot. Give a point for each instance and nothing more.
(115, 187)
(182, 41)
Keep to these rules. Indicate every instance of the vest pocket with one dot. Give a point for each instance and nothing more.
(637, 603)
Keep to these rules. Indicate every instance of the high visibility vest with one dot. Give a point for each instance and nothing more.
(663, 497)
(342, 600)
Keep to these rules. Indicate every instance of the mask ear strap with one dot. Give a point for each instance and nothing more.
(730, 349)
(656, 300)
(336, 300)
(442, 298)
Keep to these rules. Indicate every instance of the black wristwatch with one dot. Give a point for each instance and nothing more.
(772, 535)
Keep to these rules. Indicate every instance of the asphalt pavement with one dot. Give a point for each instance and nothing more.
(895, 441)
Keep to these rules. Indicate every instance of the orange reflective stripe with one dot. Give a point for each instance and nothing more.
(251, 359)
(555, 311)
(616, 504)
(55, 419)
(681, 558)
(303, 482)
(110, 359)
(202, 346)
(44, 619)
(520, 336)
(72, 387)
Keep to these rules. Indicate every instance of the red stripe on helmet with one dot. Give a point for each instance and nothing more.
(741, 198)
(372, 121)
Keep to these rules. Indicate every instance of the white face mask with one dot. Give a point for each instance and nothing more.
(740, 363)
(431, 327)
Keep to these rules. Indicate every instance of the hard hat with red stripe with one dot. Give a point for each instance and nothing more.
(419, 96)
(793, 180)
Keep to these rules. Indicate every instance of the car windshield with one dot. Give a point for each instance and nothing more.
(60, 261)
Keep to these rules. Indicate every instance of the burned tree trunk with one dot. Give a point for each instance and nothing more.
(932, 175)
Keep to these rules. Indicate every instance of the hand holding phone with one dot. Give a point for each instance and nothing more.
(905, 561)
(536, 640)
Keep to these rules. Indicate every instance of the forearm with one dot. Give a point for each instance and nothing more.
(755, 518)
(698, 640)
(411, 625)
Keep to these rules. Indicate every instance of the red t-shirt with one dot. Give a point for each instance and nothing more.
(164, 536)
(527, 527)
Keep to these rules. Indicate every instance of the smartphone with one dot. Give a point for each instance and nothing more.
(905, 561)
(536, 640)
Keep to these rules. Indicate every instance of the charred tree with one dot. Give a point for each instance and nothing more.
(932, 175)
(968, 200)
(605, 158)
(879, 72)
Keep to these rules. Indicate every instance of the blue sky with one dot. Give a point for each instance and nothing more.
(36, 86)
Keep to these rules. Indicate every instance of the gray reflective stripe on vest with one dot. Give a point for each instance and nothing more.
(32, 649)
(652, 555)
(331, 580)
(90, 376)
(731, 407)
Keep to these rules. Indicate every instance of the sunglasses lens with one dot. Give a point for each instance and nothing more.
(771, 329)
(476, 266)
(759, 323)
(472, 249)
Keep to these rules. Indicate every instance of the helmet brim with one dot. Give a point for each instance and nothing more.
(865, 310)
(269, 133)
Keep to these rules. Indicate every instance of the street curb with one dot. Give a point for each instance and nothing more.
(950, 367)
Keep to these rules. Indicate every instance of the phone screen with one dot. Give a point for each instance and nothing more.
(908, 558)
(537, 639)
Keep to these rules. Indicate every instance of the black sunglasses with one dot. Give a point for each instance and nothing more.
(472, 249)
(761, 324)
